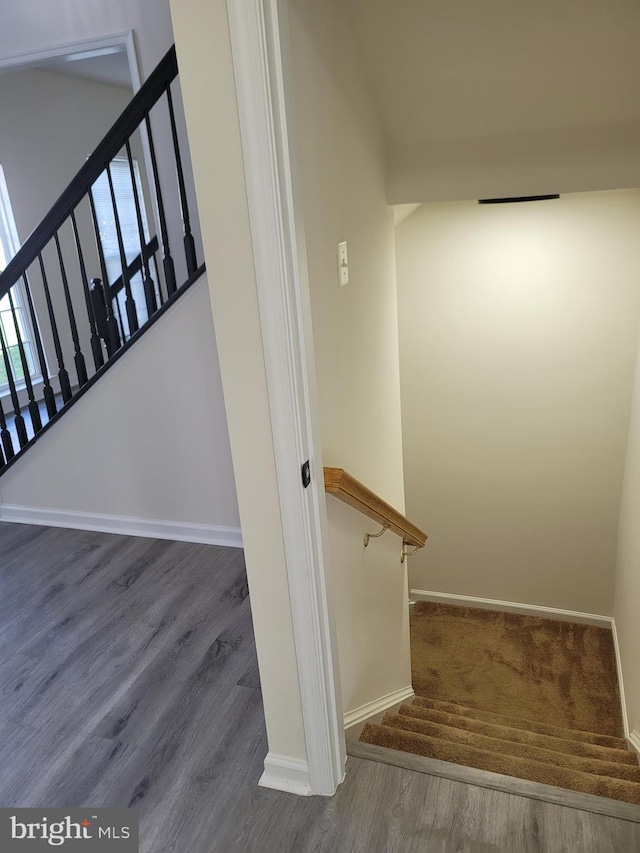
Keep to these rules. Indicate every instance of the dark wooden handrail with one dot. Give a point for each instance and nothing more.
(342, 485)
(128, 122)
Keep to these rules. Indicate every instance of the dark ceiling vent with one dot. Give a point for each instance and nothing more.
(516, 199)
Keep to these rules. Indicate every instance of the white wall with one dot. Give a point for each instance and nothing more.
(627, 579)
(536, 162)
(518, 328)
(148, 443)
(341, 160)
(50, 124)
(41, 24)
(206, 71)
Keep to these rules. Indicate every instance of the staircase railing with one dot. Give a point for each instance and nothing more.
(346, 488)
(81, 283)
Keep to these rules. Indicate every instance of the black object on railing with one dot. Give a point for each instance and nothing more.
(83, 280)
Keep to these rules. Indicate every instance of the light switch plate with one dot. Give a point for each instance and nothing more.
(343, 264)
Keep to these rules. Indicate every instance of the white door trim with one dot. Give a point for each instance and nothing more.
(259, 41)
(33, 58)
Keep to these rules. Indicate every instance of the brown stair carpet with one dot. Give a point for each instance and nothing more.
(518, 723)
(559, 743)
(611, 767)
(518, 695)
(550, 671)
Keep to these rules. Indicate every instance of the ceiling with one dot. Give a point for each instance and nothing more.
(463, 86)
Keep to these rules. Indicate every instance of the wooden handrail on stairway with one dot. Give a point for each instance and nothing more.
(342, 485)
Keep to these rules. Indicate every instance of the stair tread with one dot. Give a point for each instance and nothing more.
(524, 736)
(523, 768)
(534, 751)
(518, 722)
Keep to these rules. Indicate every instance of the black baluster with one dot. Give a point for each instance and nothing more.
(129, 303)
(167, 260)
(96, 345)
(20, 425)
(149, 286)
(189, 242)
(111, 335)
(34, 409)
(78, 358)
(49, 396)
(5, 436)
(63, 376)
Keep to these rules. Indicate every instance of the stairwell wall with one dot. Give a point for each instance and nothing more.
(342, 178)
(627, 578)
(518, 330)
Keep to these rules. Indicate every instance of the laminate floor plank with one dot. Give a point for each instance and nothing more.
(47, 692)
(46, 599)
(167, 694)
(128, 676)
(158, 596)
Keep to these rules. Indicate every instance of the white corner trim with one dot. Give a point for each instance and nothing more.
(259, 46)
(634, 740)
(625, 717)
(208, 534)
(378, 706)
(513, 607)
(286, 774)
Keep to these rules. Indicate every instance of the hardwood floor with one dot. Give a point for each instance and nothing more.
(128, 677)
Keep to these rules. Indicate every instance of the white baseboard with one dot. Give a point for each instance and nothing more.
(378, 706)
(634, 740)
(286, 774)
(513, 607)
(208, 534)
(616, 646)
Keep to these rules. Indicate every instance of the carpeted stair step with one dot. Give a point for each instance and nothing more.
(523, 768)
(568, 745)
(518, 723)
(511, 748)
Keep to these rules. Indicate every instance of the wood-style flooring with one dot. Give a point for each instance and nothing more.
(128, 677)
